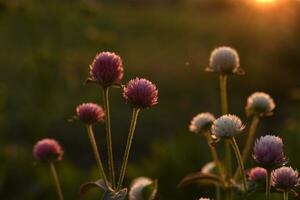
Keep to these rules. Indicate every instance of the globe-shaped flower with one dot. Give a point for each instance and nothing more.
(257, 174)
(224, 60)
(285, 178)
(201, 123)
(140, 93)
(137, 188)
(268, 152)
(47, 150)
(227, 126)
(90, 113)
(260, 103)
(106, 69)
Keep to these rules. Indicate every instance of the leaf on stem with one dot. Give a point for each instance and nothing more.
(85, 187)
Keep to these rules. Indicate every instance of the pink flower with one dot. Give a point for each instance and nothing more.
(257, 174)
(48, 150)
(285, 178)
(90, 113)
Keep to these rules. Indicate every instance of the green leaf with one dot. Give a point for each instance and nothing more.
(85, 187)
(149, 191)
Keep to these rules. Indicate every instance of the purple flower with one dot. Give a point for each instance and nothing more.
(285, 178)
(268, 151)
(106, 69)
(90, 113)
(227, 126)
(140, 93)
(257, 174)
(48, 150)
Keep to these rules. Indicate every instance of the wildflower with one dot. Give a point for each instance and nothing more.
(90, 113)
(204, 198)
(201, 123)
(227, 126)
(285, 178)
(257, 174)
(268, 151)
(106, 69)
(260, 103)
(48, 150)
(140, 93)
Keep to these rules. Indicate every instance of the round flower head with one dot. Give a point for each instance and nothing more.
(268, 151)
(227, 126)
(260, 103)
(224, 60)
(201, 123)
(140, 93)
(47, 150)
(90, 113)
(257, 174)
(285, 178)
(106, 69)
(137, 187)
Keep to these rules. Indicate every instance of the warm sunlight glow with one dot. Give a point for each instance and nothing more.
(265, 1)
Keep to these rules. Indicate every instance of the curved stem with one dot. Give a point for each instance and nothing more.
(239, 161)
(268, 185)
(96, 152)
(285, 195)
(57, 182)
(109, 137)
(135, 113)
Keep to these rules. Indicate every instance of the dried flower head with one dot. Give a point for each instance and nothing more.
(260, 103)
(257, 174)
(227, 126)
(140, 93)
(106, 69)
(224, 60)
(137, 188)
(47, 150)
(268, 152)
(201, 123)
(285, 178)
(90, 113)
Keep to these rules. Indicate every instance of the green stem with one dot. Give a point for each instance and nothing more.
(135, 113)
(285, 195)
(109, 137)
(268, 185)
(96, 152)
(239, 161)
(57, 182)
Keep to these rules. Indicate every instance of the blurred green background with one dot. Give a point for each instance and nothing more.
(46, 47)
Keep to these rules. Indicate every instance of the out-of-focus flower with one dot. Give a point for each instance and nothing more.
(90, 113)
(140, 93)
(285, 178)
(201, 123)
(224, 60)
(227, 126)
(257, 174)
(204, 198)
(137, 187)
(47, 150)
(268, 152)
(260, 103)
(106, 69)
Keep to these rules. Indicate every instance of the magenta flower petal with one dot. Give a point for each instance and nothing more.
(90, 113)
(48, 150)
(257, 174)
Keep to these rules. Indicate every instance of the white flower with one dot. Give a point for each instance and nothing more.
(227, 126)
(260, 103)
(201, 122)
(137, 187)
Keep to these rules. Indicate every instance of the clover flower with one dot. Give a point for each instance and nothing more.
(224, 60)
(227, 126)
(257, 174)
(140, 93)
(106, 69)
(137, 188)
(201, 122)
(285, 178)
(90, 113)
(268, 151)
(260, 103)
(47, 150)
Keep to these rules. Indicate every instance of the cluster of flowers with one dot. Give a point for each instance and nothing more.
(268, 150)
(106, 71)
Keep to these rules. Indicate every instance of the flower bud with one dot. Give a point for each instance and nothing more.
(201, 123)
(285, 178)
(257, 174)
(260, 103)
(47, 150)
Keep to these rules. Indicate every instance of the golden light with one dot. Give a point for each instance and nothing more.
(265, 1)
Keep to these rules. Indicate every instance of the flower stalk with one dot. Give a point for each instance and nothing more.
(285, 195)
(57, 182)
(135, 113)
(268, 185)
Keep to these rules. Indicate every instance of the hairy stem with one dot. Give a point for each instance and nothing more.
(135, 113)
(96, 152)
(109, 137)
(268, 185)
(57, 182)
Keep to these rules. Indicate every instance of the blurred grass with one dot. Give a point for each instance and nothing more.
(47, 46)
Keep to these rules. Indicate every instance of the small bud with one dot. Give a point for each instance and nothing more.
(227, 126)
(201, 123)
(268, 152)
(140, 93)
(90, 113)
(257, 174)
(285, 178)
(260, 103)
(47, 150)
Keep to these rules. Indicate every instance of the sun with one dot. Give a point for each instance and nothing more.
(265, 1)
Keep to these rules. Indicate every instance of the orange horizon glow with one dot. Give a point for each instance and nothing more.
(265, 1)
